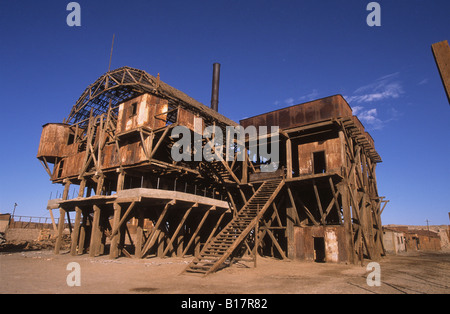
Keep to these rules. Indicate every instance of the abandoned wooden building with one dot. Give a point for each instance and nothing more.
(320, 202)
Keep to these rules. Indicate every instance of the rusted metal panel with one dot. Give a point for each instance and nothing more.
(334, 238)
(306, 113)
(143, 111)
(441, 52)
(186, 118)
(72, 165)
(161, 107)
(110, 157)
(54, 138)
(132, 153)
(333, 155)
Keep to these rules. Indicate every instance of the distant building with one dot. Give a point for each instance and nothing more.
(394, 241)
(415, 239)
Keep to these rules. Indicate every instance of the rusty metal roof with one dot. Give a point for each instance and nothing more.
(119, 85)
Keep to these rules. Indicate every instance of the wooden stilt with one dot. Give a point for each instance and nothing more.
(114, 249)
(76, 232)
(139, 234)
(94, 246)
(62, 214)
(82, 239)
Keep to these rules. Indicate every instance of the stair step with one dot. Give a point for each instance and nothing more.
(222, 245)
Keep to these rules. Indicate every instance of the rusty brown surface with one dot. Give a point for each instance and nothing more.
(333, 155)
(53, 141)
(441, 52)
(302, 114)
(147, 107)
(335, 247)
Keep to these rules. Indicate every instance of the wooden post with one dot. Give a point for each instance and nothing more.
(120, 180)
(193, 237)
(348, 227)
(290, 219)
(114, 249)
(99, 189)
(139, 234)
(175, 234)
(55, 228)
(76, 231)
(96, 233)
(81, 241)
(255, 249)
(289, 158)
(62, 214)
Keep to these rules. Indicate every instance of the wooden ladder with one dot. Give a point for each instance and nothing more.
(216, 252)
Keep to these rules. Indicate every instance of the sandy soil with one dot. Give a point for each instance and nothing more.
(43, 272)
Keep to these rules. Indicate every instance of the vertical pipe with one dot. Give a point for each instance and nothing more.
(215, 87)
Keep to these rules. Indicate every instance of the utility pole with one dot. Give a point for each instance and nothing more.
(14, 210)
(428, 227)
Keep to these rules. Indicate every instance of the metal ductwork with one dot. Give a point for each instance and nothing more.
(215, 87)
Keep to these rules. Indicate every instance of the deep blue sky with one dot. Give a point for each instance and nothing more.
(273, 54)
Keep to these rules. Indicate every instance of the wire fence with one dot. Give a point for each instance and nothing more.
(32, 222)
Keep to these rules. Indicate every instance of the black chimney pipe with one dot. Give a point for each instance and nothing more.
(215, 87)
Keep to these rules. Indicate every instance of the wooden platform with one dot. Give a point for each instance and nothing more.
(143, 195)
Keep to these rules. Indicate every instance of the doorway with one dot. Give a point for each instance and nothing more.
(319, 162)
(319, 249)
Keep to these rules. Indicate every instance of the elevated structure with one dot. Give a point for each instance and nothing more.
(321, 202)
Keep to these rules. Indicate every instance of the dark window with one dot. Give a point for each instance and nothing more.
(71, 139)
(319, 162)
(133, 109)
(60, 169)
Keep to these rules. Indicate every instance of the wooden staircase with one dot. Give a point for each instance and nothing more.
(219, 170)
(218, 250)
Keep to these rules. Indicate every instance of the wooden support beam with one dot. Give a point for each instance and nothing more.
(335, 198)
(288, 158)
(94, 246)
(152, 238)
(114, 249)
(139, 234)
(175, 234)
(319, 204)
(123, 219)
(277, 245)
(295, 211)
(62, 214)
(215, 228)
(82, 237)
(348, 227)
(290, 219)
(159, 142)
(357, 212)
(76, 231)
(307, 211)
(194, 235)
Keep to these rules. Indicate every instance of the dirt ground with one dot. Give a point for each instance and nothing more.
(41, 271)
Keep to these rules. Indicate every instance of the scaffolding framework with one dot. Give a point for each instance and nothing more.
(135, 200)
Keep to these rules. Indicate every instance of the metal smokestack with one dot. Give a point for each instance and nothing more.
(215, 87)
